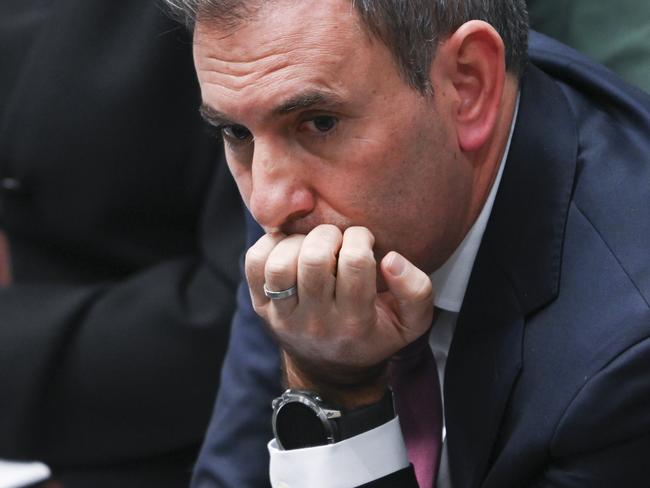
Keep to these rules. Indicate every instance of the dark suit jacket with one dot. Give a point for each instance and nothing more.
(126, 231)
(548, 376)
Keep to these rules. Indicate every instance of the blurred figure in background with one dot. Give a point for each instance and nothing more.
(616, 34)
(121, 233)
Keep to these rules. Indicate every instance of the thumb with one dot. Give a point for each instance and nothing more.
(413, 294)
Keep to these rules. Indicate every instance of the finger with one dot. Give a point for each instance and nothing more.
(317, 266)
(413, 293)
(281, 269)
(356, 281)
(254, 264)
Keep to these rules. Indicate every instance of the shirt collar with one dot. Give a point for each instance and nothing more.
(450, 280)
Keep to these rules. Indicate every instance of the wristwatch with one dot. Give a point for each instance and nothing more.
(302, 418)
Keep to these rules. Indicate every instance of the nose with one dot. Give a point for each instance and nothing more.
(280, 190)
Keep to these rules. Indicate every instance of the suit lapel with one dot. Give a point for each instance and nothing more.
(483, 363)
(516, 272)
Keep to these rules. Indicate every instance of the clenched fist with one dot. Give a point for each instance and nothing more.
(338, 331)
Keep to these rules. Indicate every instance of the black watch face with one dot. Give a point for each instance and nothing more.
(298, 426)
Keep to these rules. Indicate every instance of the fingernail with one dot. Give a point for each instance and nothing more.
(397, 264)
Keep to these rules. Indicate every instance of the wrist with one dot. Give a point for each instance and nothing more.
(349, 390)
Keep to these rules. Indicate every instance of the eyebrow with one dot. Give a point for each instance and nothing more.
(212, 116)
(300, 101)
(307, 100)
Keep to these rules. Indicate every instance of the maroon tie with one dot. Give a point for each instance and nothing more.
(414, 379)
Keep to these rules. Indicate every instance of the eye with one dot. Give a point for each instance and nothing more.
(322, 124)
(236, 132)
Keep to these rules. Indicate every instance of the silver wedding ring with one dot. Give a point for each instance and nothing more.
(279, 295)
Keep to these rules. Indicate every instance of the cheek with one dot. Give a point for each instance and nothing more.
(401, 194)
(382, 172)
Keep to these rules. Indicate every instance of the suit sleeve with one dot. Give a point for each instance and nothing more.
(604, 438)
(124, 369)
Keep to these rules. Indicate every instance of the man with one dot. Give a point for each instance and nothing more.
(386, 146)
(124, 230)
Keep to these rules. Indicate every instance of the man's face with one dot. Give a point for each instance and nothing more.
(319, 127)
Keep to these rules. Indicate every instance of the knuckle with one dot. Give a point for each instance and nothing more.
(357, 259)
(360, 233)
(254, 257)
(277, 269)
(315, 257)
(328, 231)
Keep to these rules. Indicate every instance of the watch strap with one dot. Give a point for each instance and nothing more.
(362, 419)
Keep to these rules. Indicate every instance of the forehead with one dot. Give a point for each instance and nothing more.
(288, 45)
(310, 22)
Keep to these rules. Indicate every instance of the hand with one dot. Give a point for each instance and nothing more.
(338, 331)
(5, 262)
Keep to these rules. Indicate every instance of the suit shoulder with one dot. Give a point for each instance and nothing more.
(612, 182)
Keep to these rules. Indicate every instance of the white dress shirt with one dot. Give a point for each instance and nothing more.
(381, 451)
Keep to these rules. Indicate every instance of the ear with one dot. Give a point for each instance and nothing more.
(470, 64)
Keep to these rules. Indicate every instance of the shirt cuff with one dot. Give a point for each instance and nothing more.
(346, 464)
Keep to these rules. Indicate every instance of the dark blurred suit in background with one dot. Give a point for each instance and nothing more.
(124, 231)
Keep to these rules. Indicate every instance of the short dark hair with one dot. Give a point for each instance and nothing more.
(411, 29)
